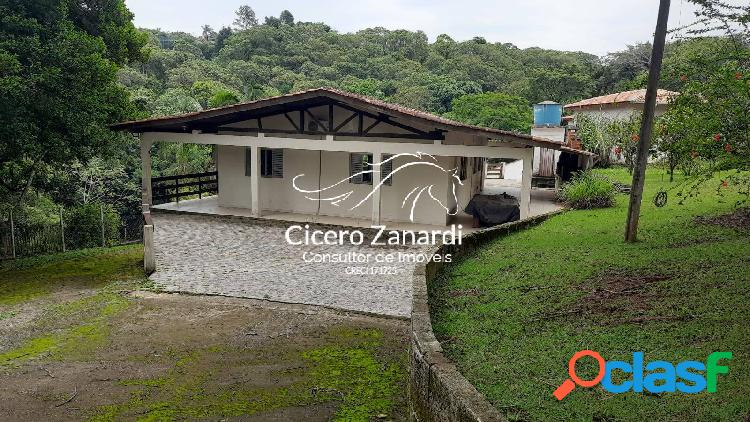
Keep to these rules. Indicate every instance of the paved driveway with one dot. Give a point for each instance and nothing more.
(240, 258)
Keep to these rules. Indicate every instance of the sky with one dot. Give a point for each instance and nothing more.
(593, 26)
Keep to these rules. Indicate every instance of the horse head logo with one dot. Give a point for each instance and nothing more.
(422, 160)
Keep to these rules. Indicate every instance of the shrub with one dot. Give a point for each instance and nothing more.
(588, 190)
(83, 226)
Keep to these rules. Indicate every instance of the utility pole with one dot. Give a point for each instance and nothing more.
(639, 172)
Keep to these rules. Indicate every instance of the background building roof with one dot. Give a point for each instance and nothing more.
(637, 96)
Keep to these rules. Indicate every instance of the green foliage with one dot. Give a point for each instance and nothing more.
(705, 129)
(84, 226)
(610, 137)
(58, 64)
(495, 110)
(177, 158)
(624, 134)
(400, 66)
(588, 190)
(175, 101)
(223, 98)
(246, 18)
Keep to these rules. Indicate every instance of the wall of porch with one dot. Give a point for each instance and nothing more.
(278, 194)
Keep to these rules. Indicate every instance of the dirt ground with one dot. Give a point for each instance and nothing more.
(111, 352)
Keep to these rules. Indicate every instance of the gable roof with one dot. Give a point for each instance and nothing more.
(637, 96)
(319, 96)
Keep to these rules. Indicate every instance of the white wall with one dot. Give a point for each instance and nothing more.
(234, 186)
(617, 111)
(427, 210)
(513, 170)
(279, 195)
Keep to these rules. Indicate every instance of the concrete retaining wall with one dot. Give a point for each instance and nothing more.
(437, 391)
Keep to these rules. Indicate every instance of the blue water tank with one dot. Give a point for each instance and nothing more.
(547, 113)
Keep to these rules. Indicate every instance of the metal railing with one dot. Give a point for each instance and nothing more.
(185, 186)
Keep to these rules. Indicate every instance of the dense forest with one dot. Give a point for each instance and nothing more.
(69, 68)
(253, 60)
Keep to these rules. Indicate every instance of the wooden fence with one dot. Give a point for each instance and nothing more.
(185, 186)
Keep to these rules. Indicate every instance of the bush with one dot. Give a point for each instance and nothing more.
(588, 190)
(83, 226)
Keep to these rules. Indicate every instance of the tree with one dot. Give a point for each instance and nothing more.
(208, 33)
(286, 17)
(624, 65)
(175, 101)
(223, 98)
(710, 119)
(493, 109)
(272, 21)
(670, 143)
(110, 20)
(623, 134)
(591, 130)
(58, 84)
(245, 18)
(224, 33)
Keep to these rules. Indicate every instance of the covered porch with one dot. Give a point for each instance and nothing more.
(542, 202)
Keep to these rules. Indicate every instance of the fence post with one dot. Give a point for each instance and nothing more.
(149, 260)
(12, 235)
(62, 229)
(101, 214)
(177, 188)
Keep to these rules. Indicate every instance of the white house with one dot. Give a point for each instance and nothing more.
(318, 153)
(620, 105)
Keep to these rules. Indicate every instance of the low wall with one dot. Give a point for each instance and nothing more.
(437, 391)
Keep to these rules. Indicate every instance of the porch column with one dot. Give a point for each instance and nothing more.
(525, 200)
(146, 197)
(377, 157)
(255, 179)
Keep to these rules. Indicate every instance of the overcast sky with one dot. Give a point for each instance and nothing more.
(594, 26)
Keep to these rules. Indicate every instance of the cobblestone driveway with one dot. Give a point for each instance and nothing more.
(231, 257)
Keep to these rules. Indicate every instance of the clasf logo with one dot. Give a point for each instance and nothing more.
(656, 377)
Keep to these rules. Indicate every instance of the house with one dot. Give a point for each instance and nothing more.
(325, 152)
(620, 105)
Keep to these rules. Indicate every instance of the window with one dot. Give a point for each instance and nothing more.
(358, 163)
(462, 164)
(272, 163)
(386, 169)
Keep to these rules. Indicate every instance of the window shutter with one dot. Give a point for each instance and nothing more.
(277, 159)
(248, 162)
(385, 170)
(355, 168)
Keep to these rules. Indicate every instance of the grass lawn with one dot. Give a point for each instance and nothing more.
(513, 314)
